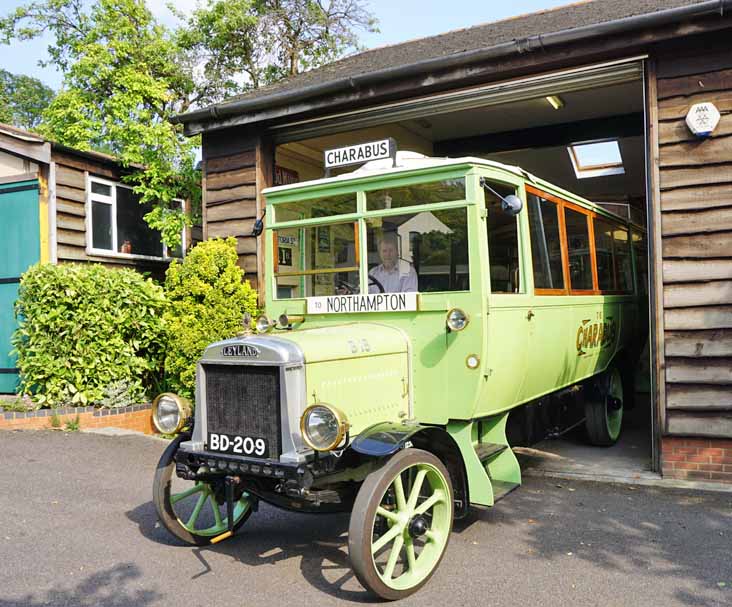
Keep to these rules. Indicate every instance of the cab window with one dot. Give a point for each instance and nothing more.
(423, 252)
(446, 190)
(316, 207)
(316, 260)
(503, 243)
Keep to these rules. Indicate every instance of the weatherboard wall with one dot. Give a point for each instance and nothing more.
(696, 231)
(230, 194)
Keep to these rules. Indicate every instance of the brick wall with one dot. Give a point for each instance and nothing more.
(698, 459)
(136, 417)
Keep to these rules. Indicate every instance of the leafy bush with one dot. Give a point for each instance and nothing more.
(207, 300)
(83, 328)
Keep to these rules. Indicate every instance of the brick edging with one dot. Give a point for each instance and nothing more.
(134, 417)
(699, 459)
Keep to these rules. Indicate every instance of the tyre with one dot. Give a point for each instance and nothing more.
(401, 524)
(190, 510)
(604, 409)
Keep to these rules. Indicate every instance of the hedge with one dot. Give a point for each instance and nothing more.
(88, 334)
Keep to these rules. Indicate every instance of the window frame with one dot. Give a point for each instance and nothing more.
(591, 215)
(595, 170)
(92, 197)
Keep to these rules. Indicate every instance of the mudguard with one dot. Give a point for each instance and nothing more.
(384, 438)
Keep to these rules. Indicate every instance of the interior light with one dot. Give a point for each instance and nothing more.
(555, 101)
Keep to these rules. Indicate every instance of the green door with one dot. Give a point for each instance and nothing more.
(20, 247)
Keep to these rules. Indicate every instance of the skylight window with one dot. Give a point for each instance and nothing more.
(596, 159)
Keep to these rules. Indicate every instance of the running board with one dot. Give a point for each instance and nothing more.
(487, 451)
(502, 488)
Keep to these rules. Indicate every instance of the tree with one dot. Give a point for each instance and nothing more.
(22, 99)
(245, 44)
(124, 78)
(125, 75)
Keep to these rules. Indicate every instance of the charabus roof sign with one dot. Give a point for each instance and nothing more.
(360, 153)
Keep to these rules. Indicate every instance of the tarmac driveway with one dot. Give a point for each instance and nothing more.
(79, 528)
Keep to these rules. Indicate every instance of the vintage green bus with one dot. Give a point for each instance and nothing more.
(413, 313)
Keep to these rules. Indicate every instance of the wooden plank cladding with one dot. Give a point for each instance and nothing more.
(230, 195)
(684, 423)
(685, 295)
(696, 198)
(696, 226)
(696, 270)
(708, 398)
(70, 211)
(230, 163)
(697, 344)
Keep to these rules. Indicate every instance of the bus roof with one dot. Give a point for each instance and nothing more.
(411, 161)
(406, 161)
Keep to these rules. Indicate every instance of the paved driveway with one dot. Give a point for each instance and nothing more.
(78, 528)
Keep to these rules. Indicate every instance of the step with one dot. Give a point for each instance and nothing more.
(502, 488)
(487, 451)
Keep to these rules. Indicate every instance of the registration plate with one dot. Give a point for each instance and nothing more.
(238, 445)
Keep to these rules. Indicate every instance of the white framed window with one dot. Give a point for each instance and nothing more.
(596, 158)
(116, 226)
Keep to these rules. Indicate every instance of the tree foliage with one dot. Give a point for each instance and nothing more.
(245, 44)
(125, 75)
(207, 300)
(123, 81)
(23, 99)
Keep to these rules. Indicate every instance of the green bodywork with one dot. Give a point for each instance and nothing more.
(393, 366)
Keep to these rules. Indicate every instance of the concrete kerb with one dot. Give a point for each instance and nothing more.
(645, 479)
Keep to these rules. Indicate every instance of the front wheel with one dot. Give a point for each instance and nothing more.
(194, 512)
(401, 524)
(604, 409)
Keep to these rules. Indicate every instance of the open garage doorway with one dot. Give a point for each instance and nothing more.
(583, 130)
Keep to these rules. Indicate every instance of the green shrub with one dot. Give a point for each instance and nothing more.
(83, 328)
(207, 300)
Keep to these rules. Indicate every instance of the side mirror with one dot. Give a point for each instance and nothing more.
(512, 204)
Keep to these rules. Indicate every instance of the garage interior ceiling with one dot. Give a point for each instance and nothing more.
(529, 133)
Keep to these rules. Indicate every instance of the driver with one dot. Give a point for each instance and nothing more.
(394, 276)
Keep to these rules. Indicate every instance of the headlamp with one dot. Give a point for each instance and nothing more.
(264, 324)
(323, 427)
(170, 412)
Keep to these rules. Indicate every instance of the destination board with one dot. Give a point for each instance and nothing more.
(373, 302)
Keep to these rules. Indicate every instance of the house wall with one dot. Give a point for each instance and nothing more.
(71, 232)
(11, 166)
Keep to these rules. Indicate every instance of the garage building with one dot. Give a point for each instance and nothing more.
(592, 96)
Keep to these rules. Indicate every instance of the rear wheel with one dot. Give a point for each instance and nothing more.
(401, 524)
(604, 409)
(193, 511)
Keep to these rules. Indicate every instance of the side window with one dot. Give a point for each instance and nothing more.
(641, 260)
(546, 249)
(578, 246)
(605, 255)
(503, 245)
(623, 261)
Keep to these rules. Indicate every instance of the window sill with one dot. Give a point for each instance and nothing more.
(130, 256)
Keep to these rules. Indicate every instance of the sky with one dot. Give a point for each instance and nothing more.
(399, 20)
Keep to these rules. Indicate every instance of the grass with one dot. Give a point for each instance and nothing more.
(73, 425)
(17, 404)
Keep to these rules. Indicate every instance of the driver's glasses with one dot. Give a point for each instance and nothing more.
(316, 260)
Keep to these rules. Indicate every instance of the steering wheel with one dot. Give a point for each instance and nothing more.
(373, 281)
(349, 288)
